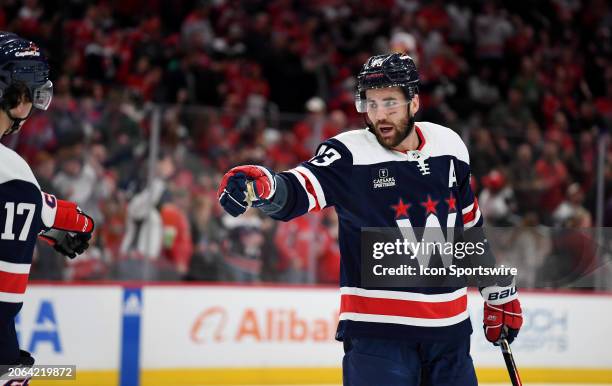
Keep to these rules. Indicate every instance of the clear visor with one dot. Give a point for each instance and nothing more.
(42, 96)
(385, 105)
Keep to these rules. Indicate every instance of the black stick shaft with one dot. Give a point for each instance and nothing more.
(510, 365)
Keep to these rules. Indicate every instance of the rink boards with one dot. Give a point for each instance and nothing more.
(223, 334)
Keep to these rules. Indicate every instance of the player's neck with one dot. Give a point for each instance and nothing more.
(411, 142)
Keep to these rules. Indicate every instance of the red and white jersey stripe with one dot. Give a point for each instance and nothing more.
(471, 214)
(312, 187)
(13, 281)
(406, 308)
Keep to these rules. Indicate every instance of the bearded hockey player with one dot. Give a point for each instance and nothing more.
(26, 213)
(392, 336)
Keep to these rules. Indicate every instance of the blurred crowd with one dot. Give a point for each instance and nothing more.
(528, 85)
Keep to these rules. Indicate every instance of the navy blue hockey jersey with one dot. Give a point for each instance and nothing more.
(24, 212)
(371, 186)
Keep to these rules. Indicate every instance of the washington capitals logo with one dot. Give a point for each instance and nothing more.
(30, 51)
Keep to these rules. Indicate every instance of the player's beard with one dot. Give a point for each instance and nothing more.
(401, 130)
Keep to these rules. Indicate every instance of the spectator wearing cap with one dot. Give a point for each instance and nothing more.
(496, 200)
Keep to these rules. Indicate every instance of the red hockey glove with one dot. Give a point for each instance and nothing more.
(503, 316)
(69, 229)
(244, 186)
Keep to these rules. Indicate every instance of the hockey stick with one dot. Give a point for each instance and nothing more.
(510, 365)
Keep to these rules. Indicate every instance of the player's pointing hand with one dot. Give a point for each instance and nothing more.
(244, 186)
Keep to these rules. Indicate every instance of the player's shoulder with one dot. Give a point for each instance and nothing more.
(347, 145)
(364, 147)
(14, 167)
(441, 141)
(351, 140)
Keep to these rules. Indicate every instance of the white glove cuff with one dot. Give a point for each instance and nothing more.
(497, 296)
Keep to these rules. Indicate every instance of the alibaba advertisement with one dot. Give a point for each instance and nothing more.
(265, 335)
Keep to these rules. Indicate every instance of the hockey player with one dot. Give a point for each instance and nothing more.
(26, 213)
(392, 336)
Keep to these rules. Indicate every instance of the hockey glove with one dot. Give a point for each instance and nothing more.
(244, 186)
(503, 316)
(67, 244)
(70, 228)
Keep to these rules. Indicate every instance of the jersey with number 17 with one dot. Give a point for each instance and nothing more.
(371, 186)
(24, 212)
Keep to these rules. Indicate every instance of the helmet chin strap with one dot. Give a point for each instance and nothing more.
(16, 122)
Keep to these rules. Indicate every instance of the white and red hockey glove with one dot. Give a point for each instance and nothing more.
(244, 186)
(68, 228)
(503, 316)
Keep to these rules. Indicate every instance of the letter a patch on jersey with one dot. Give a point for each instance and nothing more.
(452, 178)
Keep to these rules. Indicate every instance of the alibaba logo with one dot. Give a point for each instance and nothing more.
(208, 326)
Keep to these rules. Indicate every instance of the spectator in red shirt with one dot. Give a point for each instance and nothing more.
(328, 268)
(177, 246)
(299, 244)
(554, 175)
